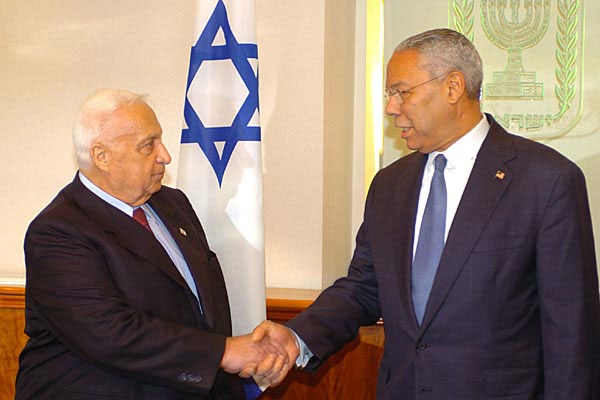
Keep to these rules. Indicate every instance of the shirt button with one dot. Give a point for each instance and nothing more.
(422, 346)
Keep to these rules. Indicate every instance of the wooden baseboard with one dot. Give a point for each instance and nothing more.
(285, 304)
(12, 297)
(282, 304)
(12, 340)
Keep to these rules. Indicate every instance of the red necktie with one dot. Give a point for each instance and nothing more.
(140, 216)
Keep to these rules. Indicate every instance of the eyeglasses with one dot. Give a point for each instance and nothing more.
(399, 94)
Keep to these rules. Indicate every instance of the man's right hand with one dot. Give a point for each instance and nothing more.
(265, 360)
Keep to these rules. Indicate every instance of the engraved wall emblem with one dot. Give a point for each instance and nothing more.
(533, 61)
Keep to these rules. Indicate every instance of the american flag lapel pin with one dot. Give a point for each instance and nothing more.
(183, 232)
(500, 175)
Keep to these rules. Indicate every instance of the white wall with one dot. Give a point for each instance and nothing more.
(291, 101)
(56, 53)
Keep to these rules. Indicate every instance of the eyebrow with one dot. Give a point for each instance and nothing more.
(395, 85)
(151, 137)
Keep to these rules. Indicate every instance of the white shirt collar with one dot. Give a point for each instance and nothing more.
(113, 201)
(465, 149)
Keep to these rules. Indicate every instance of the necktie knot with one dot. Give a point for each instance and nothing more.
(140, 216)
(440, 162)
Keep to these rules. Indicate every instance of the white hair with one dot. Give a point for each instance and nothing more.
(93, 117)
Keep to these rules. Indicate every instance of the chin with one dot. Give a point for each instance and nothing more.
(153, 189)
(411, 146)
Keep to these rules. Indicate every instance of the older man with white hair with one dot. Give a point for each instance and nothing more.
(124, 298)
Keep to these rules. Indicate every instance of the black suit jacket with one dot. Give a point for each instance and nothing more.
(108, 314)
(514, 310)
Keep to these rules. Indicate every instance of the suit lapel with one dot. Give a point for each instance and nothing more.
(482, 193)
(406, 192)
(196, 256)
(130, 234)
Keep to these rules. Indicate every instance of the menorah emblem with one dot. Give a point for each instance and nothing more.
(514, 35)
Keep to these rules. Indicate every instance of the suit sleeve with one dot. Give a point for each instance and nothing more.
(72, 291)
(568, 292)
(351, 302)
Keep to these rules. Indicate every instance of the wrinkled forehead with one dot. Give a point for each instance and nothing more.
(134, 119)
(403, 68)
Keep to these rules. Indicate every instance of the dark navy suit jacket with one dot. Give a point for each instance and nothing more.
(107, 312)
(514, 310)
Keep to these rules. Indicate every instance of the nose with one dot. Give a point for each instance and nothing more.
(392, 105)
(163, 155)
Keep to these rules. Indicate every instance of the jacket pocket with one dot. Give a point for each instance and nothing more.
(499, 243)
(512, 381)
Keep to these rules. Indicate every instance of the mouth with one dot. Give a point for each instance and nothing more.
(404, 130)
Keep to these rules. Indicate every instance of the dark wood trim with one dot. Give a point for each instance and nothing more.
(12, 297)
(282, 304)
(285, 304)
(284, 311)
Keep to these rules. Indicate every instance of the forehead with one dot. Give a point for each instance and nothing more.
(403, 68)
(135, 119)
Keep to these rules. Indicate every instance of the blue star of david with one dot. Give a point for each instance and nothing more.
(239, 130)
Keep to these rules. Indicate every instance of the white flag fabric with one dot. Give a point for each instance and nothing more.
(220, 165)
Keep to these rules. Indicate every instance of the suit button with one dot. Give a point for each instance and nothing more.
(422, 346)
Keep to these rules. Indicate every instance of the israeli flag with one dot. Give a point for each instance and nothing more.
(220, 165)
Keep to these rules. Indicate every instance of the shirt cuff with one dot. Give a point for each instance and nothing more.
(305, 353)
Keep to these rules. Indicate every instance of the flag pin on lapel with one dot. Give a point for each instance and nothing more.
(183, 232)
(499, 175)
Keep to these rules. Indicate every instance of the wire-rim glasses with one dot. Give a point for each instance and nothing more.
(399, 94)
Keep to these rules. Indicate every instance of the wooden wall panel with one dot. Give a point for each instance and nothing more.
(12, 339)
(349, 374)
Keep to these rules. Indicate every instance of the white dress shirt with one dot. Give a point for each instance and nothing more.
(461, 158)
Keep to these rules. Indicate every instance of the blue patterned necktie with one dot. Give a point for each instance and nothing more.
(431, 240)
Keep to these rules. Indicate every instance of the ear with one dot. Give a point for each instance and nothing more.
(456, 86)
(100, 156)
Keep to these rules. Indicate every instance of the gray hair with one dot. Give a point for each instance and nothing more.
(443, 51)
(91, 120)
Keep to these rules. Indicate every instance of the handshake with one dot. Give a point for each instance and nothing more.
(266, 354)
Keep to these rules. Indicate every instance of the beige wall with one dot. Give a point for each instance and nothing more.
(54, 56)
(291, 96)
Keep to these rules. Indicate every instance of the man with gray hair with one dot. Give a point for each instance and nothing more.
(476, 250)
(124, 298)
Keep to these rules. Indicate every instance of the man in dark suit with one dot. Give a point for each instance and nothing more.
(128, 308)
(509, 306)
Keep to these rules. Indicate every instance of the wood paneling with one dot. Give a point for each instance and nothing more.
(12, 341)
(349, 374)
(12, 297)
(285, 304)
